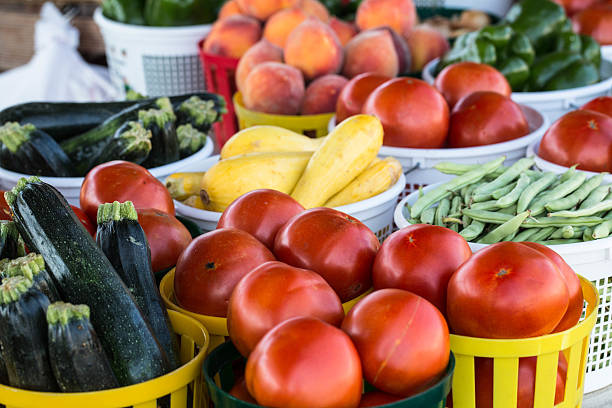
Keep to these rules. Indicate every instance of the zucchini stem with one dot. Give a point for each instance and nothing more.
(13, 135)
(11, 195)
(116, 211)
(12, 288)
(62, 313)
(28, 266)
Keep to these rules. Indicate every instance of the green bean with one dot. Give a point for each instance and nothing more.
(455, 209)
(559, 241)
(427, 216)
(509, 210)
(585, 212)
(472, 231)
(510, 237)
(500, 192)
(466, 220)
(492, 217)
(507, 228)
(451, 220)
(595, 196)
(458, 169)
(577, 196)
(568, 174)
(530, 192)
(442, 211)
(563, 232)
(563, 189)
(467, 195)
(542, 234)
(421, 191)
(602, 230)
(485, 205)
(513, 196)
(478, 198)
(524, 235)
(587, 235)
(457, 183)
(506, 177)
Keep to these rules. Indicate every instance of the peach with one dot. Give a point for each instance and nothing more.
(272, 87)
(230, 8)
(380, 51)
(232, 36)
(281, 24)
(314, 48)
(314, 8)
(425, 44)
(322, 94)
(262, 9)
(263, 51)
(400, 15)
(343, 29)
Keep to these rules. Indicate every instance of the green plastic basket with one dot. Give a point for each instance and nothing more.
(220, 368)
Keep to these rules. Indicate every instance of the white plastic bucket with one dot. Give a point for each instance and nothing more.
(418, 163)
(375, 212)
(155, 61)
(593, 260)
(70, 187)
(552, 104)
(495, 7)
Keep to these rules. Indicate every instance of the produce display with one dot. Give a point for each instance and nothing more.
(534, 46)
(85, 135)
(491, 203)
(161, 12)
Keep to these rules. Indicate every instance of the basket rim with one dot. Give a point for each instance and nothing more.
(290, 119)
(138, 30)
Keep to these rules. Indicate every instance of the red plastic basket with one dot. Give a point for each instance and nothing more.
(219, 73)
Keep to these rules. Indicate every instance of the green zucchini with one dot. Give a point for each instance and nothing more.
(161, 123)
(11, 244)
(84, 275)
(124, 243)
(23, 335)
(190, 140)
(200, 114)
(75, 353)
(131, 142)
(32, 266)
(28, 150)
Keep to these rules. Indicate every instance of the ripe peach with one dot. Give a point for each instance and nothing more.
(400, 15)
(314, 48)
(322, 94)
(380, 51)
(230, 8)
(232, 36)
(315, 8)
(272, 87)
(425, 44)
(262, 9)
(344, 30)
(263, 51)
(281, 24)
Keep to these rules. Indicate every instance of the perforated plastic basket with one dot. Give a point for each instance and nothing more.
(593, 260)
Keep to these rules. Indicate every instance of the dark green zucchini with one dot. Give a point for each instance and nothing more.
(76, 355)
(84, 275)
(199, 113)
(125, 244)
(131, 142)
(190, 140)
(32, 266)
(23, 335)
(28, 150)
(161, 123)
(11, 244)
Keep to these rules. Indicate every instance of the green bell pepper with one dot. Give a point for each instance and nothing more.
(568, 42)
(580, 73)
(476, 49)
(516, 71)
(521, 47)
(591, 50)
(180, 12)
(124, 11)
(498, 35)
(549, 66)
(539, 20)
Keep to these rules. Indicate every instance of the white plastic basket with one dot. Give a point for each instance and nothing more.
(375, 212)
(155, 61)
(418, 163)
(552, 104)
(495, 7)
(593, 260)
(70, 187)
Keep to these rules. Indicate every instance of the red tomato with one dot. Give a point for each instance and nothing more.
(402, 340)
(273, 293)
(573, 6)
(497, 293)
(305, 363)
(596, 22)
(260, 213)
(337, 246)
(377, 398)
(463, 78)
(484, 118)
(211, 266)
(526, 381)
(576, 299)
(579, 137)
(240, 391)
(420, 259)
(413, 113)
(355, 92)
(167, 237)
(89, 226)
(602, 104)
(123, 181)
(5, 210)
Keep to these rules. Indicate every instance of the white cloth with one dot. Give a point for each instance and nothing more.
(56, 72)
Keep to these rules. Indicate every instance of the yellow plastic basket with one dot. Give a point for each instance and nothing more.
(216, 326)
(309, 125)
(194, 342)
(573, 342)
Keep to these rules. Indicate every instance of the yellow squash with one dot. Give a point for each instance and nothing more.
(182, 185)
(377, 178)
(346, 152)
(268, 139)
(230, 178)
(194, 201)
